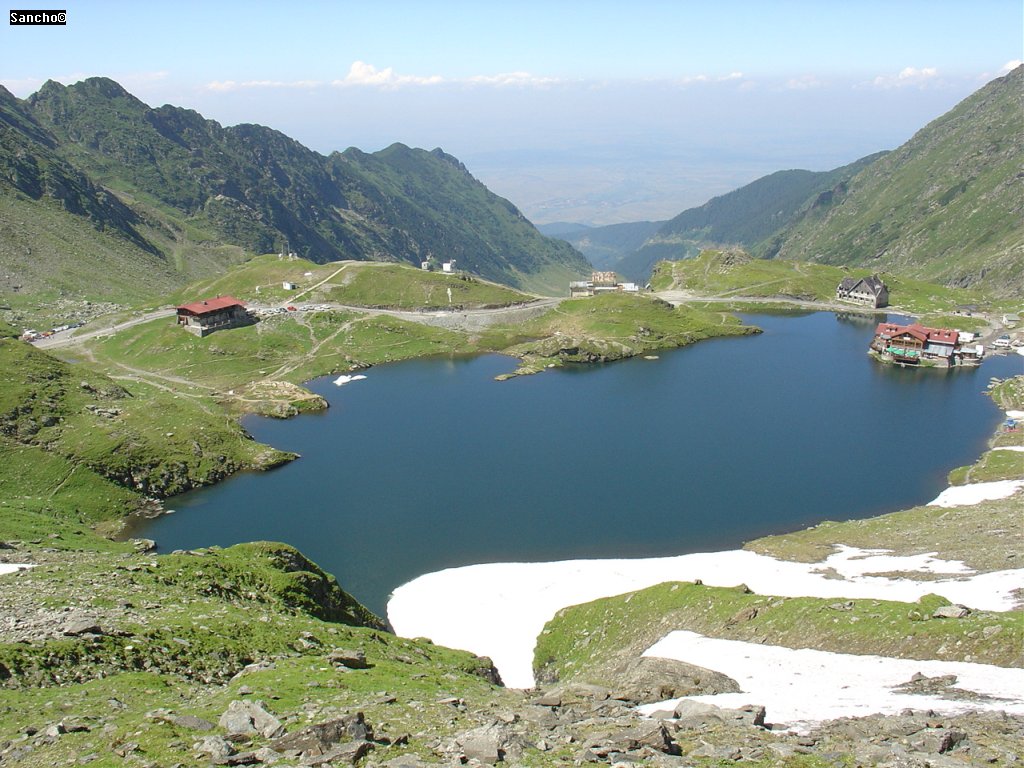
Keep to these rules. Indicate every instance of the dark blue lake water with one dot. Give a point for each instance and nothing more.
(430, 464)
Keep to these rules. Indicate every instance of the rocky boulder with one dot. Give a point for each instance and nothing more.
(648, 679)
(243, 718)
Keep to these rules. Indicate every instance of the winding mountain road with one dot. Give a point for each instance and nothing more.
(469, 320)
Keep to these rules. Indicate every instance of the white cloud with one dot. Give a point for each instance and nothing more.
(1010, 66)
(908, 76)
(361, 73)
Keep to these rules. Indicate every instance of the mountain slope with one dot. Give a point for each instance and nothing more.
(427, 204)
(945, 206)
(744, 216)
(185, 197)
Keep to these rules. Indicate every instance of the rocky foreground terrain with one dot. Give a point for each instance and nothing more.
(113, 655)
(251, 655)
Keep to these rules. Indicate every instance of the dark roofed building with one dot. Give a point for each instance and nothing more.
(869, 291)
(209, 315)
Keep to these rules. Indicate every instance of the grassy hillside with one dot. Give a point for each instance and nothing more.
(176, 639)
(945, 206)
(614, 326)
(484, 233)
(81, 446)
(743, 217)
(737, 275)
(362, 284)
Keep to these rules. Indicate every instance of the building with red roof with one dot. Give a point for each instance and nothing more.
(915, 343)
(209, 315)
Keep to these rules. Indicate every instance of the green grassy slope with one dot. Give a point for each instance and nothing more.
(743, 217)
(187, 634)
(79, 445)
(945, 206)
(361, 284)
(614, 326)
(584, 643)
(737, 274)
(437, 209)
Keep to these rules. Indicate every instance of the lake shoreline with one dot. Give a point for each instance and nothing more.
(354, 415)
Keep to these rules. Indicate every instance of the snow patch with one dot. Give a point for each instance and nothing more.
(975, 493)
(803, 687)
(346, 379)
(499, 609)
(14, 567)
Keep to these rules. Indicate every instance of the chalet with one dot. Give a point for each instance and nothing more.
(869, 291)
(916, 344)
(600, 282)
(209, 315)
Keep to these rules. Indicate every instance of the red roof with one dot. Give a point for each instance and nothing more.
(206, 306)
(918, 331)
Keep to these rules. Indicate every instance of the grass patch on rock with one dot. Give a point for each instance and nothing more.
(585, 643)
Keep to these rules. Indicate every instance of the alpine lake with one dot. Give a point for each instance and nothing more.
(430, 464)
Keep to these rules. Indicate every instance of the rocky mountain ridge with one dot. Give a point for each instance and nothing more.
(186, 197)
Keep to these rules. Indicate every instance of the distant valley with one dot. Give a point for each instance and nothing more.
(946, 206)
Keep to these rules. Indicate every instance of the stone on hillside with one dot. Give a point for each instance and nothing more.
(323, 735)
(645, 736)
(744, 614)
(78, 624)
(688, 708)
(485, 668)
(552, 698)
(242, 758)
(951, 612)
(488, 744)
(214, 747)
(345, 658)
(938, 740)
(751, 714)
(349, 753)
(245, 717)
(649, 679)
(922, 684)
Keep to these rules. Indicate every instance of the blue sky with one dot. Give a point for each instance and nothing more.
(630, 109)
